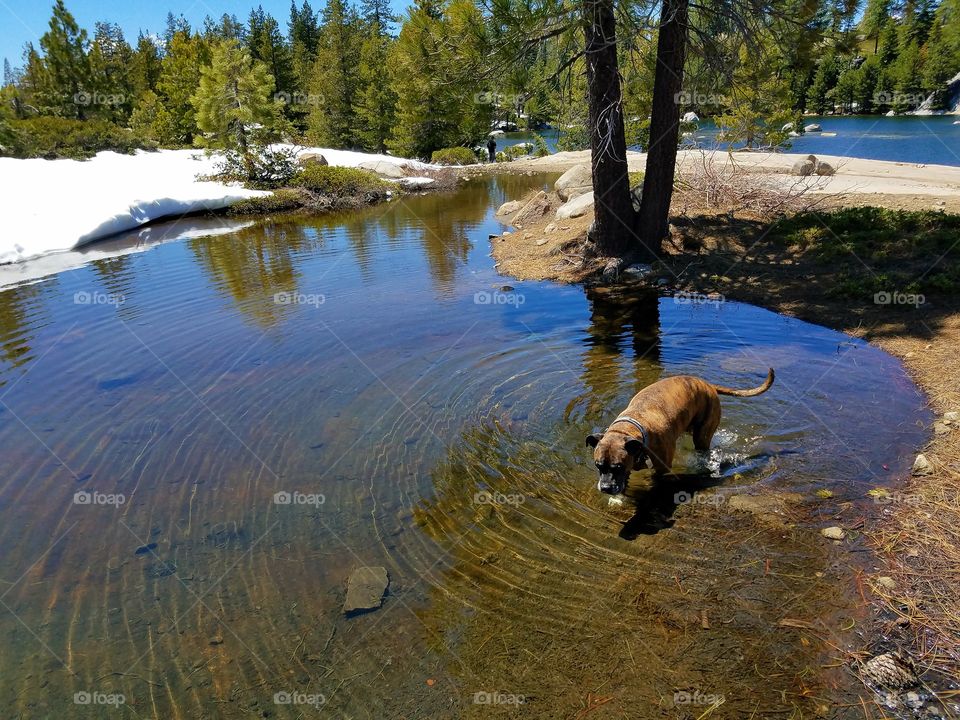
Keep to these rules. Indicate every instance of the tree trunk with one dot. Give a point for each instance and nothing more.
(614, 219)
(654, 220)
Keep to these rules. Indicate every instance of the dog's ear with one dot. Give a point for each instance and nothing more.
(593, 440)
(634, 447)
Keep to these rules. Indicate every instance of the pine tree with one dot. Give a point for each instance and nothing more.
(179, 78)
(234, 102)
(65, 48)
(375, 100)
(145, 66)
(111, 64)
(332, 120)
(825, 78)
(266, 44)
(875, 16)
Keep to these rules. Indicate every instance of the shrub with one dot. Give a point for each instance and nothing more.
(540, 148)
(453, 156)
(54, 137)
(339, 181)
(263, 167)
(282, 200)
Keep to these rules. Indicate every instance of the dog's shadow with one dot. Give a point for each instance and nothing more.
(656, 503)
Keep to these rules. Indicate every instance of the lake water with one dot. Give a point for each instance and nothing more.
(202, 441)
(909, 139)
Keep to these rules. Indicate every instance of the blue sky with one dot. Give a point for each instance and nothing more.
(22, 21)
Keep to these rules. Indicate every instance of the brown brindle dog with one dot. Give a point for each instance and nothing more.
(653, 422)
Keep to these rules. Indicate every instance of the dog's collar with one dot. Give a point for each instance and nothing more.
(637, 425)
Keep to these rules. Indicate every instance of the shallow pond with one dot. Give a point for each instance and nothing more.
(412, 413)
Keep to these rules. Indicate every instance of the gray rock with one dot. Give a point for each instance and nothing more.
(813, 127)
(951, 417)
(312, 158)
(825, 169)
(804, 167)
(383, 168)
(552, 227)
(578, 180)
(691, 117)
(536, 208)
(833, 533)
(913, 700)
(941, 428)
(365, 589)
(922, 466)
(509, 207)
(576, 207)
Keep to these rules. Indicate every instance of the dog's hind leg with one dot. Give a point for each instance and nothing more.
(703, 431)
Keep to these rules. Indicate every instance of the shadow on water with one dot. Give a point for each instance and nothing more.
(433, 434)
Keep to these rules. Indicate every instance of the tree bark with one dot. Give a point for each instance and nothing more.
(654, 216)
(614, 229)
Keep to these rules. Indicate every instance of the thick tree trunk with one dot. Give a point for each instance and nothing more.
(654, 220)
(615, 220)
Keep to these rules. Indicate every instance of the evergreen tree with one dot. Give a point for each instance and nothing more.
(111, 64)
(67, 65)
(332, 120)
(267, 44)
(145, 66)
(179, 78)
(375, 100)
(233, 103)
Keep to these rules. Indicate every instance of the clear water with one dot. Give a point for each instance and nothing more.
(374, 359)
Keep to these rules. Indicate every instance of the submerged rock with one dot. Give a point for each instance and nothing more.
(365, 590)
(834, 533)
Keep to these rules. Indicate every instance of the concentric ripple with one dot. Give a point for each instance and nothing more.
(201, 443)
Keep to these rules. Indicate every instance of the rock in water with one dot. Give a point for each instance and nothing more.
(833, 533)
(365, 590)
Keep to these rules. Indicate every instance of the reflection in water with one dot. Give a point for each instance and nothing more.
(446, 440)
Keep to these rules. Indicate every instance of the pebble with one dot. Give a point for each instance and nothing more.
(365, 589)
(913, 700)
(941, 428)
(921, 466)
(951, 417)
(542, 241)
(887, 582)
(833, 533)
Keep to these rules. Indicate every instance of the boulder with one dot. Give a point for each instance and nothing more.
(535, 209)
(922, 466)
(365, 589)
(509, 208)
(825, 169)
(807, 166)
(576, 207)
(575, 181)
(383, 168)
(813, 127)
(691, 117)
(312, 158)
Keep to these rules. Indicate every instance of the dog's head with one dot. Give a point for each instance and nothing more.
(615, 455)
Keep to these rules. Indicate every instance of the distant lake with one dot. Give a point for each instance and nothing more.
(910, 139)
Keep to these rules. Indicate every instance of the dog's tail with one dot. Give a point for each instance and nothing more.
(747, 393)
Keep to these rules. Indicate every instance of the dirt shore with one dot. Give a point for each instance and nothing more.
(829, 276)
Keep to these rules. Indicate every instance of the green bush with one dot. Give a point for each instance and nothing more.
(55, 137)
(453, 156)
(540, 148)
(263, 167)
(339, 181)
(283, 200)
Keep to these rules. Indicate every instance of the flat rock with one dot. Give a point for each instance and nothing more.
(383, 168)
(365, 590)
(941, 428)
(576, 207)
(833, 533)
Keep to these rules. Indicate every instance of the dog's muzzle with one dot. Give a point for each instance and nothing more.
(610, 484)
